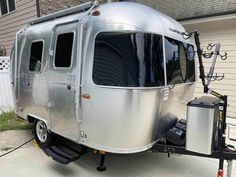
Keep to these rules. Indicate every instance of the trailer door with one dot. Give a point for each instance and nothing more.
(62, 81)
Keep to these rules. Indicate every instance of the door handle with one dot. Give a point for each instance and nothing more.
(68, 87)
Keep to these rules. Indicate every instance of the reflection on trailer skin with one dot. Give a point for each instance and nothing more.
(104, 79)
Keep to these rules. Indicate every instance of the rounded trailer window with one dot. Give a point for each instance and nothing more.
(128, 60)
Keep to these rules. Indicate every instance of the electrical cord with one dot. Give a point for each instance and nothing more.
(16, 148)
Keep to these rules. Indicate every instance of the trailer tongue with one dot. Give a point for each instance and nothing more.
(205, 135)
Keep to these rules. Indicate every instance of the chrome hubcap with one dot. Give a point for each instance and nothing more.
(41, 130)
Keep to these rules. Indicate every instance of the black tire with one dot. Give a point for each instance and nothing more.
(48, 140)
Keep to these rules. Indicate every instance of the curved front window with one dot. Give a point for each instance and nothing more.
(128, 60)
(180, 67)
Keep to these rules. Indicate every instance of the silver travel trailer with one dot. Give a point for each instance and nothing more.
(103, 75)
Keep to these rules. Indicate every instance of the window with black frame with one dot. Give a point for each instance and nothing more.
(7, 6)
(180, 66)
(128, 60)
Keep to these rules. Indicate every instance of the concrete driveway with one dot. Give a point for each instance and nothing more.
(30, 161)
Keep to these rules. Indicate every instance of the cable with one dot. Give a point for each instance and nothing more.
(16, 148)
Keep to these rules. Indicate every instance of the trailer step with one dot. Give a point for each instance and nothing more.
(56, 156)
(65, 151)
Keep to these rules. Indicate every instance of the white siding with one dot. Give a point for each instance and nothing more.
(6, 98)
(223, 31)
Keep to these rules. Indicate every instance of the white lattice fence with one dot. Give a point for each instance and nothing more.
(6, 97)
(4, 64)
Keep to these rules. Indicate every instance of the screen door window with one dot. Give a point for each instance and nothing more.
(64, 50)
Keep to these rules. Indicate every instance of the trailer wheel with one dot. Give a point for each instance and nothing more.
(41, 134)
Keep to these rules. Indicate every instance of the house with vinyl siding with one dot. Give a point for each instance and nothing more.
(215, 20)
(16, 13)
(13, 15)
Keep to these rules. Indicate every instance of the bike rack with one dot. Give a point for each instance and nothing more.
(223, 151)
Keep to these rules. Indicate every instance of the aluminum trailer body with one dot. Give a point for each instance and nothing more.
(110, 77)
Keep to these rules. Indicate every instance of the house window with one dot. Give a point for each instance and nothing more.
(36, 54)
(7, 6)
(64, 50)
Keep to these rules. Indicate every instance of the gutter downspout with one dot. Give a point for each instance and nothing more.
(38, 8)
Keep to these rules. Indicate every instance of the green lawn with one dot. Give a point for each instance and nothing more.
(9, 121)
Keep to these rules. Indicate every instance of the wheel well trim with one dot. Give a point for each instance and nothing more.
(31, 118)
